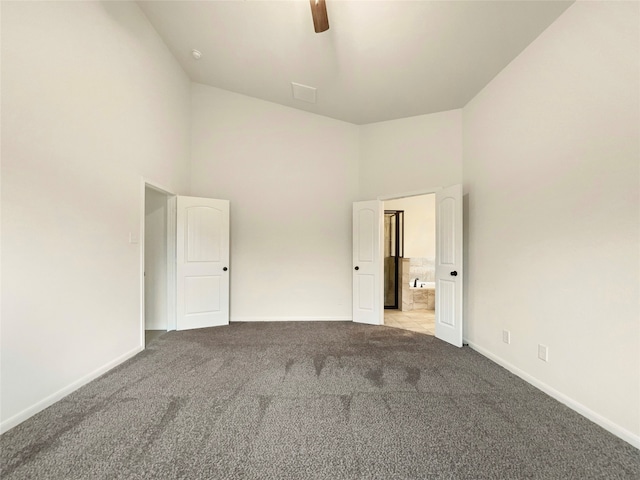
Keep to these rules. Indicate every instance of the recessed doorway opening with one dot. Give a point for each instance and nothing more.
(409, 263)
(157, 269)
(155, 264)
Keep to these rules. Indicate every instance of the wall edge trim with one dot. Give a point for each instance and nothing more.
(574, 405)
(37, 407)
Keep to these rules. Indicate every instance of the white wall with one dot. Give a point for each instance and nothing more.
(551, 167)
(410, 154)
(91, 101)
(419, 224)
(155, 260)
(291, 177)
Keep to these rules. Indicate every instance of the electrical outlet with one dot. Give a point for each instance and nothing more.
(506, 336)
(543, 353)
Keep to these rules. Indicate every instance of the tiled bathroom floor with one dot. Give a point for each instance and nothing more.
(421, 321)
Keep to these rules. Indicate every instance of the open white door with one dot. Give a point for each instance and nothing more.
(449, 265)
(368, 275)
(202, 263)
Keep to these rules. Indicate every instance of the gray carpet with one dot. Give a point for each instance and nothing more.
(310, 400)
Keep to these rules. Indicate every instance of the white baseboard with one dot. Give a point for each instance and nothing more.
(18, 418)
(608, 425)
(290, 319)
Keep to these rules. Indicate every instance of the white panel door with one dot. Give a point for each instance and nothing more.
(368, 274)
(449, 265)
(202, 263)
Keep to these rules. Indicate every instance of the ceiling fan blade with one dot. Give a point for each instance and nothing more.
(319, 13)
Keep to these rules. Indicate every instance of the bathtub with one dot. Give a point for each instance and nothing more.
(422, 285)
(420, 297)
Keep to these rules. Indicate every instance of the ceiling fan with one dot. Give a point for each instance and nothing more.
(319, 14)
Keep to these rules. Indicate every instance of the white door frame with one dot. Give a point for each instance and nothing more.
(415, 193)
(171, 254)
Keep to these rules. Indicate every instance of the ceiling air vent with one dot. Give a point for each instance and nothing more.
(303, 92)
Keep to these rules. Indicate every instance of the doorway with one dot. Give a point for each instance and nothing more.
(155, 264)
(169, 287)
(368, 264)
(409, 278)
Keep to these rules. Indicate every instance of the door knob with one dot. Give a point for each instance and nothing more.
(357, 268)
(454, 274)
(225, 269)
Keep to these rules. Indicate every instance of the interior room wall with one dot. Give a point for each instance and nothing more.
(551, 150)
(419, 224)
(410, 154)
(155, 260)
(291, 177)
(91, 101)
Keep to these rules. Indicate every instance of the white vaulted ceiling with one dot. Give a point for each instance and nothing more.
(380, 60)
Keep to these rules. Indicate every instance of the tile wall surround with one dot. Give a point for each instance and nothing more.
(417, 298)
(422, 268)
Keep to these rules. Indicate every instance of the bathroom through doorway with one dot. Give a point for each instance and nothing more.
(409, 263)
